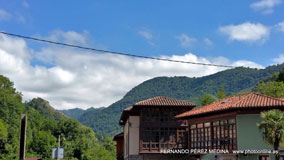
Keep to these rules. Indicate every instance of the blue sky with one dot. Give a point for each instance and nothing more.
(115, 25)
(240, 32)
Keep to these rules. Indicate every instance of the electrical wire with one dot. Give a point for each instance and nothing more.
(113, 52)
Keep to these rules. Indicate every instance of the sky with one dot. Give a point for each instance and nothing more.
(238, 33)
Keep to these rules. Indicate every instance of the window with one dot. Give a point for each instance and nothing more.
(217, 135)
(160, 130)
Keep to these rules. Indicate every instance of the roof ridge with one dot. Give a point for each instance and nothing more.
(249, 99)
(268, 96)
(157, 97)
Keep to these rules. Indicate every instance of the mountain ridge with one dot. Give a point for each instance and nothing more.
(105, 121)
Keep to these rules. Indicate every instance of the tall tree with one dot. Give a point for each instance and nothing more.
(280, 77)
(272, 128)
(275, 89)
(207, 99)
(221, 93)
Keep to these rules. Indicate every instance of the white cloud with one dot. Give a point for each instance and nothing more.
(185, 40)
(4, 15)
(208, 42)
(265, 6)
(69, 37)
(279, 60)
(280, 26)
(78, 78)
(247, 64)
(248, 32)
(146, 34)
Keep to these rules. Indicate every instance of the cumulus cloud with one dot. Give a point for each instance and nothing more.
(4, 15)
(78, 78)
(185, 40)
(279, 60)
(265, 6)
(247, 32)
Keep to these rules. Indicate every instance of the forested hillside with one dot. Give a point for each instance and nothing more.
(76, 113)
(44, 126)
(183, 88)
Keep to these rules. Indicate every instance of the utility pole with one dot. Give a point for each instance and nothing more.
(23, 129)
(58, 147)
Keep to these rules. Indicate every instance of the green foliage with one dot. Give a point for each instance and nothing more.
(272, 128)
(99, 153)
(42, 144)
(234, 80)
(280, 76)
(76, 113)
(43, 127)
(272, 88)
(221, 93)
(10, 109)
(207, 99)
(44, 108)
(3, 135)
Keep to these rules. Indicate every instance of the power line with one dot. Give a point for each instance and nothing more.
(113, 52)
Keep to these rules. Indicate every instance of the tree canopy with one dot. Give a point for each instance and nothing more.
(44, 125)
(272, 128)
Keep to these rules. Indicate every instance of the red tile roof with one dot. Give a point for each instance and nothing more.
(247, 100)
(163, 101)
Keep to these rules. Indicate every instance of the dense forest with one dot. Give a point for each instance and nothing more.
(44, 125)
(184, 88)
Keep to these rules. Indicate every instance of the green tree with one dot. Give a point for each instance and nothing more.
(99, 153)
(221, 93)
(3, 135)
(109, 145)
(280, 77)
(43, 143)
(272, 128)
(207, 99)
(275, 89)
(10, 109)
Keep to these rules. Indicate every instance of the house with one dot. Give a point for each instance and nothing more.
(150, 126)
(230, 125)
(164, 128)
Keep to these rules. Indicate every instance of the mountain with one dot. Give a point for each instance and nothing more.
(45, 109)
(76, 113)
(184, 88)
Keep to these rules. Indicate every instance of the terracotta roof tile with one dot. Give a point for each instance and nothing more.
(163, 101)
(247, 100)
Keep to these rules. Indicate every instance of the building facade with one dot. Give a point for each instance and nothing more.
(150, 127)
(226, 129)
